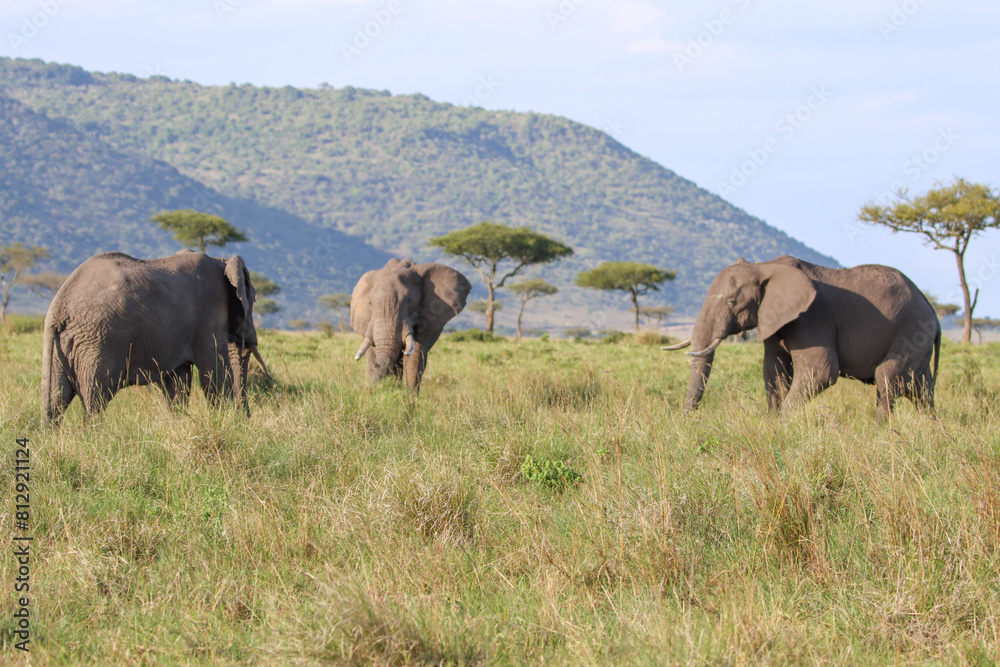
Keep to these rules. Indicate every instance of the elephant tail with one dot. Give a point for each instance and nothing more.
(57, 385)
(937, 352)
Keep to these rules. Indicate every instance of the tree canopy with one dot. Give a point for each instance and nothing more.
(194, 228)
(948, 217)
(499, 252)
(635, 278)
(527, 290)
(337, 302)
(15, 260)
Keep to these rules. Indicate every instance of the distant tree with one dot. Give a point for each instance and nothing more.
(488, 245)
(15, 260)
(194, 228)
(527, 290)
(943, 310)
(300, 325)
(948, 217)
(337, 302)
(632, 277)
(46, 283)
(263, 285)
(981, 324)
(480, 306)
(659, 314)
(265, 306)
(265, 288)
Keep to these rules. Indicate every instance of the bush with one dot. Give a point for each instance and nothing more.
(475, 336)
(617, 337)
(550, 473)
(17, 323)
(578, 333)
(653, 338)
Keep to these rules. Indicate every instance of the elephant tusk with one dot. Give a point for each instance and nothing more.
(678, 346)
(708, 350)
(260, 360)
(408, 342)
(365, 344)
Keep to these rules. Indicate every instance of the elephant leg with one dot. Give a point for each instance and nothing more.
(890, 383)
(816, 369)
(414, 365)
(922, 390)
(777, 372)
(213, 371)
(176, 386)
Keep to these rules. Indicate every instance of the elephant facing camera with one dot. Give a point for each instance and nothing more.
(119, 321)
(400, 311)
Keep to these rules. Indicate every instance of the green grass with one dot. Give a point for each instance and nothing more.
(360, 525)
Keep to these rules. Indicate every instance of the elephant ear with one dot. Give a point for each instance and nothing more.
(443, 297)
(361, 310)
(788, 293)
(239, 302)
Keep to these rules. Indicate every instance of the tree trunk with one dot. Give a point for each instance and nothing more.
(966, 299)
(635, 307)
(489, 309)
(519, 314)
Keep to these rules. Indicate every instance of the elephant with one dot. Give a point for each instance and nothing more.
(119, 321)
(870, 323)
(401, 310)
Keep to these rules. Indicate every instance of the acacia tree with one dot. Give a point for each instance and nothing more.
(488, 246)
(981, 324)
(632, 277)
(194, 228)
(265, 288)
(943, 310)
(657, 313)
(527, 290)
(15, 260)
(337, 302)
(948, 217)
(479, 306)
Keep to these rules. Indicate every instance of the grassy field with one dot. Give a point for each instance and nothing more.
(543, 502)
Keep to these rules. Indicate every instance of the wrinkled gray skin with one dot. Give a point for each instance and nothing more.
(119, 321)
(400, 310)
(817, 324)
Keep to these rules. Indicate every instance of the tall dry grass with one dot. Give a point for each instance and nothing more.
(360, 525)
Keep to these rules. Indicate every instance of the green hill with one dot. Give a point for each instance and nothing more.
(337, 178)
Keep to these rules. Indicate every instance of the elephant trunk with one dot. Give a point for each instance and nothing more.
(709, 331)
(239, 361)
(388, 341)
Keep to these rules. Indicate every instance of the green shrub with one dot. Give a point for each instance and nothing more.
(475, 336)
(617, 337)
(550, 473)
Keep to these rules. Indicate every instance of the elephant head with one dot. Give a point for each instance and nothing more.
(400, 310)
(241, 329)
(743, 296)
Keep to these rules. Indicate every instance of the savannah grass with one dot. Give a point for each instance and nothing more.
(355, 525)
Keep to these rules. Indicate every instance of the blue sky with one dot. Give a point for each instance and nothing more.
(797, 112)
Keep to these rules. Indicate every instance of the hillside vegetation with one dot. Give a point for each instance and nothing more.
(542, 503)
(363, 171)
